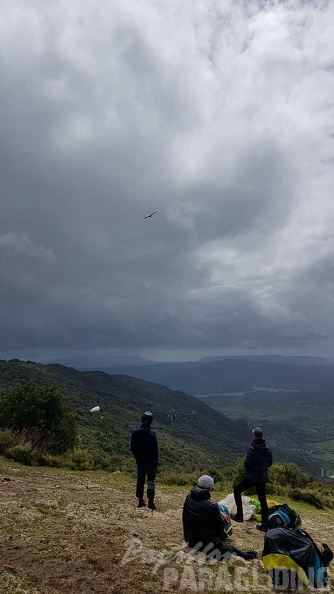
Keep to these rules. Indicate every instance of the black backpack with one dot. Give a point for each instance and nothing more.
(280, 516)
(292, 559)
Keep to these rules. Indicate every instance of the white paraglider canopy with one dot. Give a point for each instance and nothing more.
(95, 409)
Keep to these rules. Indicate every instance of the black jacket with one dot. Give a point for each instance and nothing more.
(257, 461)
(144, 446)
(201, 519)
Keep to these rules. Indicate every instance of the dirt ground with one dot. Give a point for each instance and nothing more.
(67, 532)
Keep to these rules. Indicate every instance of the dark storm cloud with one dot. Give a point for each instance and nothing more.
(218, 118)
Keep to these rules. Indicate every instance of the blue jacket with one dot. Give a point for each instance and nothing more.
(257, 461)
(144, 446)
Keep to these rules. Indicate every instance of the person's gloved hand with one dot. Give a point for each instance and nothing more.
(248, 555)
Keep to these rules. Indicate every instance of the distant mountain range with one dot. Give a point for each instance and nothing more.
(116, 361)
(235, 374)
(286, 360)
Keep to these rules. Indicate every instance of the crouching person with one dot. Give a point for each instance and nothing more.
(203, 523)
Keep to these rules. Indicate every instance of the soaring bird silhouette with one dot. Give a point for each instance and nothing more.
(151, 215)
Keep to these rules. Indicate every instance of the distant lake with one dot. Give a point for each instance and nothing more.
(247, 392)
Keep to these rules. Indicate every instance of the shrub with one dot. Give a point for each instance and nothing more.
(308, 496)
(275, 490)
(228, 474)
(239, 472)
(216, 474)
(22, 453)
(100, 461)
(7, 440)
(80, 460)
(53, 461)
(40, 414)
(288, 475)
(178, 478)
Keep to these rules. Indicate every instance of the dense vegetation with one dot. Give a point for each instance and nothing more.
(40, 415)
(286, 480)
(292, 397)
(298, 425)
(191, 434)
(39, 428)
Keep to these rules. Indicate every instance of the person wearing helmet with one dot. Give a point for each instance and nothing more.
(144, 446)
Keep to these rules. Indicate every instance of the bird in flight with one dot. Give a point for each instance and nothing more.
(151, 215)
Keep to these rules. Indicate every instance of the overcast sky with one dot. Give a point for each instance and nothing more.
(216, 113)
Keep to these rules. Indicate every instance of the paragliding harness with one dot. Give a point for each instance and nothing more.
(282, 515)
(293, 560)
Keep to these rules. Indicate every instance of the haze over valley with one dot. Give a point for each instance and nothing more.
(292, 398)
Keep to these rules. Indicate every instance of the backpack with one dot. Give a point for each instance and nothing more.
(292, 559)
(228, 526)
(283, 516)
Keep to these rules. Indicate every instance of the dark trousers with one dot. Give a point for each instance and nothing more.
(219, 550)
(143, 471)
(245, 484)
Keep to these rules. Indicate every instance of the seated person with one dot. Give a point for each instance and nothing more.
(203, 523)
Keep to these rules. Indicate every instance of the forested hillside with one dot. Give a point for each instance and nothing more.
(191, 434)
(291, 397)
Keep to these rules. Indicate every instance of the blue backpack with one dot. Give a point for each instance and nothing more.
(228, 526)
(282, 516)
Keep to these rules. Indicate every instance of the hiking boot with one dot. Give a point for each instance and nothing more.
(237, 518)
(262, 527)
(141, 503)
(151, 505)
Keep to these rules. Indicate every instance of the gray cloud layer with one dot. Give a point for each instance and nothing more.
(218, 117)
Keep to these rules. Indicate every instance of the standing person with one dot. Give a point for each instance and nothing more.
(203, 523)
(257, 461)
(144, 447)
